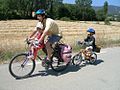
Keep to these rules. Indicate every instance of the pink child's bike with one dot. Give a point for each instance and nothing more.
(21, 66)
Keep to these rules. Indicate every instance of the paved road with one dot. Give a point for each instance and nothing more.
(105, 75)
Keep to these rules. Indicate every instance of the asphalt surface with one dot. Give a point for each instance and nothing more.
(103, 75)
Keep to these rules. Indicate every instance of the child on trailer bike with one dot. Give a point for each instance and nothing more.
(89, 42)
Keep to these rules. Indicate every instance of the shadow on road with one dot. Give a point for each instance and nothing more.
(71, 68)
(87, 63)
(98, 62)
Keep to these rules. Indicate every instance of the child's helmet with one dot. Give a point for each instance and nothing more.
(91, 30)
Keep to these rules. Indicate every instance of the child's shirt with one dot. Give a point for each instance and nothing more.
(90, 41)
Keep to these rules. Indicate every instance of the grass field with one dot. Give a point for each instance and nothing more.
(14, 32)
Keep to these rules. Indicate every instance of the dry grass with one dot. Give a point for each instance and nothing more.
(14, 32)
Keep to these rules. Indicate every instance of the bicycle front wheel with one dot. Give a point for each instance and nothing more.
(20, 66)
(77, 59)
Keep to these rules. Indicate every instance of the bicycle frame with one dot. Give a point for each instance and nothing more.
(87, 54)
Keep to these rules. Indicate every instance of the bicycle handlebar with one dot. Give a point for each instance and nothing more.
(27, 41)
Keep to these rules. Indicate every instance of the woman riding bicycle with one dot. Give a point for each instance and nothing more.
(50, 32)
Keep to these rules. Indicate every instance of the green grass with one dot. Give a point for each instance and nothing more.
(6, 56)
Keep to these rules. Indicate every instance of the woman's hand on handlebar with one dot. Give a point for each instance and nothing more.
(28, 40)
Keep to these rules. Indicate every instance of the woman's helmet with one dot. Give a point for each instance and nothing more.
(40, 12)
(91, 30)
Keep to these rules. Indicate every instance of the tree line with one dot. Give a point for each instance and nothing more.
(56, 9)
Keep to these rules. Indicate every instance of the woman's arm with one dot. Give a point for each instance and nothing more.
(43, 35)
(32, 35)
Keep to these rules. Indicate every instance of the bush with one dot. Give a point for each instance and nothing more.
(107, 21)
(118, 19)
(65, 19)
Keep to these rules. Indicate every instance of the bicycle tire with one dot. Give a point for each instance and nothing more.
(92, 61)
(58, 68)
(15, 59)
(77, 59)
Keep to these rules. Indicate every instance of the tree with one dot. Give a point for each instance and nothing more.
(53, 6)
(83, 5)
(3, 9)
(63, 12)
(16, 9)
(106, 8)
(100, 15)
(91, 15)
(23, 8)
(72, 11)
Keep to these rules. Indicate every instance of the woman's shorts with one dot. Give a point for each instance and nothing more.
(54, 38)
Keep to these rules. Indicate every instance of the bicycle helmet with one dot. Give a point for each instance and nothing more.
(91, 30)
(40, 12)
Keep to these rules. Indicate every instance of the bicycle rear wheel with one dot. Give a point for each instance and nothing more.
(58, 65)
(93, 58)
(20, 66)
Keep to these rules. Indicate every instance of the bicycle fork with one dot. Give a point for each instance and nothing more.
(24, 62)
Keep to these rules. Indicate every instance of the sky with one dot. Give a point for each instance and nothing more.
(97, 2)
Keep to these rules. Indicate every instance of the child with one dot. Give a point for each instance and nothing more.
(90, 40)
(35, 46)
(89, 43)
